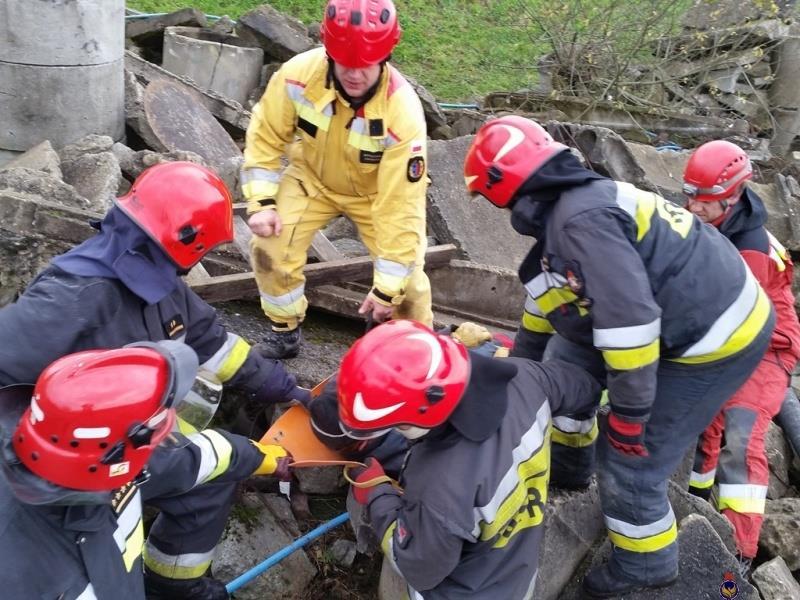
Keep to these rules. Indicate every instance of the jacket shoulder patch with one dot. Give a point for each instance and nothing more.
(416, 168)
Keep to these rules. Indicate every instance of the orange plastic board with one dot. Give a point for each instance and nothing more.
(300, 464)
(293, 432)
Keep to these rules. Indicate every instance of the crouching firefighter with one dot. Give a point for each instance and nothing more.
(77, 461)
(466, 524)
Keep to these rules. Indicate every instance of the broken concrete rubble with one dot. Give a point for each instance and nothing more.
(280, 36)
(775, 582)
(257, 530)
(780, 534)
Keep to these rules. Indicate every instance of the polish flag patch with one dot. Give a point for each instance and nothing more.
(416, 146)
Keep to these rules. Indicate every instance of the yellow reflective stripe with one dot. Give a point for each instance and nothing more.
(633, 358)
(184, 427)
(258, 190)
(576, 439)
(702, 481)
(390, 285)
(308, 113)
(742, 497)
(536, 323)
(185, 566)
(646, 544)
(555, 297)
(215, 454)
(234, 361)
(133, 546)
(365, 142)
(387, 544)
(645, 206)
(524, 506)
(741, 337)
(290, 305)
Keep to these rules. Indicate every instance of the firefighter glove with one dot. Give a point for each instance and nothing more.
(276, 461)
(626, 436)
(365, 479)
(472, 335)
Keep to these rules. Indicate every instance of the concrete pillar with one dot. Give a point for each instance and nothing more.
(215, 62)
(61, 72)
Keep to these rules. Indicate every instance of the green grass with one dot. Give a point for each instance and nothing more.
(460, 50)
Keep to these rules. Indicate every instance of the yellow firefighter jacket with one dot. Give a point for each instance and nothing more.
(376, 153)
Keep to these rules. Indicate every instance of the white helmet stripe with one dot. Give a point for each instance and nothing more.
(436, 351)
(515, 138)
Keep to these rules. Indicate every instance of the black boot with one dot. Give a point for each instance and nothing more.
(704, 493)
(599, 582)
(157, 587)
(280, 344)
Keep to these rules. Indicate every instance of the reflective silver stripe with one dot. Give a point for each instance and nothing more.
(195, 559)
(214, 364)
(212, 448)
(696, 477)
(641, 531)
(393, 269)
(87, 593)
(286, 299)
(128, 520)
(729, 321)
(568, 425)
(359, 125)
(743, 491)
(627, 337)
(249, 174)
(543, 282)
(626, 198)
(529, 592)
(530, 443)
(533, 308)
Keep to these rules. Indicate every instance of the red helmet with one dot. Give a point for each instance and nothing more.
(360, 33)
(96, 416)
(715, 171)
(504, 154)
(185, 208)
(401, 373)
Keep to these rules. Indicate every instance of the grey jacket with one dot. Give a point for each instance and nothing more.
(468, 522)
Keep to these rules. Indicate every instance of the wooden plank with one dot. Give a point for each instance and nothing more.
(243, 285)
(198, 274)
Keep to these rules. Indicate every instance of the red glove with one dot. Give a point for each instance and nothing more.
(365, 479)
(626, 436)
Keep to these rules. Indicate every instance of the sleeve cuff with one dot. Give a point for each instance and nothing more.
(254, 206)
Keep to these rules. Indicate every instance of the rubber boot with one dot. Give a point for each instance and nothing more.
(280, 344)
(157, 587)
(601, 583)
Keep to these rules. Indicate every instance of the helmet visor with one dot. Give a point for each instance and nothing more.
(363, 434)
(198, 407)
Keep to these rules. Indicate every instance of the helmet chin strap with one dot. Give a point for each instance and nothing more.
(413, 433)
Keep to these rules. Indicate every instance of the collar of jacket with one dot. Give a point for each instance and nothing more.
(747, 214)
(535, 198)
(483, 406)
(321, 95)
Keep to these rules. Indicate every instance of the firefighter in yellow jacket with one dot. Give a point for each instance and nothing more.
(356, 139)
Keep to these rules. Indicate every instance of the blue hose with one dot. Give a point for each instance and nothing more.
(270, 561)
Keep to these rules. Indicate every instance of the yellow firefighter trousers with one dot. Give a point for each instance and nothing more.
(278, 261)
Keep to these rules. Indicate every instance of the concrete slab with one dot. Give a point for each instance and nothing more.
(482, 232)
(41, 157)
(663, 169)
(280, 36)
(179, 121)
(775, 582)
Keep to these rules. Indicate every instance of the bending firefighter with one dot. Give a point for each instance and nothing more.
(655, 304)
(77, 459)
(356, 140)
(467, 523)
(123, 285)
(714, 183)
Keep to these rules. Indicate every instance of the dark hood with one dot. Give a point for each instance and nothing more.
(25, 485)
(121, 250)
(535, 198)
(747, 214)
(484, 404)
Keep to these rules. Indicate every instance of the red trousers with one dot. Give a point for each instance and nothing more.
(740, 466)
